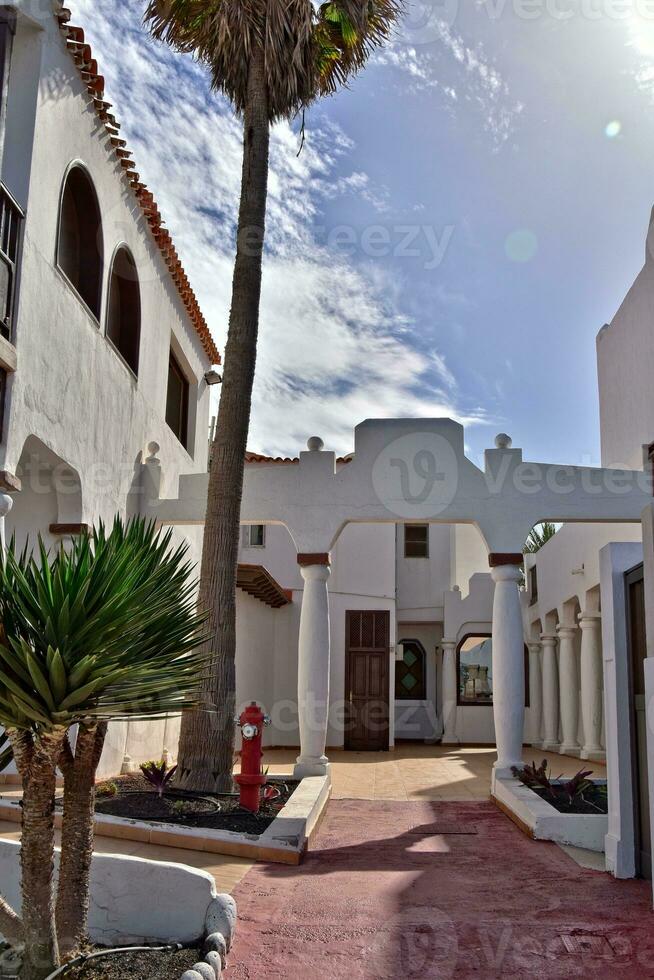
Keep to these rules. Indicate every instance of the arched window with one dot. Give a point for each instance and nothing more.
(124, 308)
(410, 672)
(79, 247)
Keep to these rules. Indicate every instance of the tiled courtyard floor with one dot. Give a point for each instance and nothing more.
(434, 890)
(414, 771)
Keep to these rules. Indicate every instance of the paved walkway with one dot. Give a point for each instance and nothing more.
(414, 771)
(436, 890)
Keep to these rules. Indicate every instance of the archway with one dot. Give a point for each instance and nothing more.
(50, 501)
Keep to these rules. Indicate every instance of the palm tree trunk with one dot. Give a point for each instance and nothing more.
(11, 925)
(73, 890)
(37, 764)
(207, 737)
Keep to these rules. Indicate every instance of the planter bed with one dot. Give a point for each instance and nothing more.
(284, 840)
(540, 820)
(135, 799)
(128, 966)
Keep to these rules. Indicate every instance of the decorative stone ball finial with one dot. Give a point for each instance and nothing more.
(315, 444)
(153, 449)
(6, 503)
(502, 441)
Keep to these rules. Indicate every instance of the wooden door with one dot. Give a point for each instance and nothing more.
(638, 652)
(367, 654)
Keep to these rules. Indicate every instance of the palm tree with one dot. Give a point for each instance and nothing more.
(271, 59)
(539, 535)
(107, 630)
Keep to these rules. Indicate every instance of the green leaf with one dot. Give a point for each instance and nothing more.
(58, 678)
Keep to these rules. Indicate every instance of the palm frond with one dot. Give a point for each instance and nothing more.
(309, 52)
(539, 535)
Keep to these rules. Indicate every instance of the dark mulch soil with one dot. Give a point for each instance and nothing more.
(595, 801)
(129, 966)
(135, 799)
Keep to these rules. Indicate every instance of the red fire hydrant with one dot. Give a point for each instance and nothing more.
(251, 778)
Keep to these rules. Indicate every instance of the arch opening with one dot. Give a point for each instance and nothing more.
(124, 308)
(79, 244)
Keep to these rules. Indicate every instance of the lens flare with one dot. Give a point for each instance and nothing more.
(613, 129)
(521, 245)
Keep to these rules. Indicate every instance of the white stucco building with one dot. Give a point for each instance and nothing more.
(589, 615)
(103, 349)
(366, 610)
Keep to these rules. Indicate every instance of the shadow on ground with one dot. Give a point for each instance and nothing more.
(437, 890)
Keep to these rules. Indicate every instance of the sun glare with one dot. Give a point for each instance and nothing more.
(641, 34)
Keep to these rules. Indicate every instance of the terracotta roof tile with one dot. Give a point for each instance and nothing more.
(82, 55)
(260, 458)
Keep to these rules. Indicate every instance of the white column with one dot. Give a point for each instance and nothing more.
(508, 667)
(550, 693)
(313, 670)
(535, 692)
(450, 687)
(591, 685)
(568, 689)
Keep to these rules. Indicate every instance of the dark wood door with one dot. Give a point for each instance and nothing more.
(638, 652)
(367, 654)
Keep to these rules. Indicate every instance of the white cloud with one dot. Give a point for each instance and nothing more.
(335, 347)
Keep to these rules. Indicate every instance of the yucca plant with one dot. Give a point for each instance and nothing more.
(271, 59)
(106, 629)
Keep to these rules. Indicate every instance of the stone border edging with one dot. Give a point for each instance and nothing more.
(285, 841)
(541, 821)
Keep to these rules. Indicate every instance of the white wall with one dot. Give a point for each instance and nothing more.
(72, 390)
(421, 582)
(568, 566)
(625, 361)
(470, 554)
(73, 401)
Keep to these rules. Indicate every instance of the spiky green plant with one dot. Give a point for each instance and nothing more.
(102, 630)
(271, 59)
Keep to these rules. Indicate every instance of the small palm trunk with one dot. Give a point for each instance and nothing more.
(77, 834)
(37, 858)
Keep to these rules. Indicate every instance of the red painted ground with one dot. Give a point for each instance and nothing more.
(388, 892)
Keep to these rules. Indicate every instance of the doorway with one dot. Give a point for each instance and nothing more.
(367, 658)
(635, 590)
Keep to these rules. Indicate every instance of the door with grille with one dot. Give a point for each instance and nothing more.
(367, 655)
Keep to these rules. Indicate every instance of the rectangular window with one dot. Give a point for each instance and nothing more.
(533, 586)
(11, 219)
(416, 540)
(177, 400)
(254, 536)
(474, 664)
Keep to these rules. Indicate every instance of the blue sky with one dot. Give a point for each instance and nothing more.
(458, 227)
